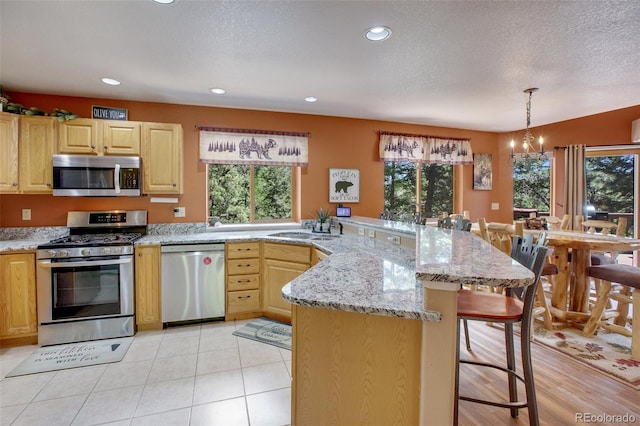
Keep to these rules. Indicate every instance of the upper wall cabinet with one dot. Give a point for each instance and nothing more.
(26, 150)
(162, 158)
(80, 136)
(121, 138)
(37, 146)
(8, 153)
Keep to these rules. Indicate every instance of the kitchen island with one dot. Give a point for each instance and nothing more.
(374, 339)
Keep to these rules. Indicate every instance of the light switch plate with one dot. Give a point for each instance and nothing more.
(26, 214)
(360, 231)
(372, 233)
(495, 206)
(179, 212)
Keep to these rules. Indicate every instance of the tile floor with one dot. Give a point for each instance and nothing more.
(190, 375)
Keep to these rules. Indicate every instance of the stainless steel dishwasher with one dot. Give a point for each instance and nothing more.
(192, 282)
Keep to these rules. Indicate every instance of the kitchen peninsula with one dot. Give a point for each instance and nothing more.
(374, 330)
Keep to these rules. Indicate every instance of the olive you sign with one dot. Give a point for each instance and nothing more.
(344, 185)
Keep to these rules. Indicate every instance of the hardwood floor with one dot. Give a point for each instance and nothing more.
(564, 388)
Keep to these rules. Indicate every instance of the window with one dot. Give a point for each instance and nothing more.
(610, 186)
(531, 186)
(434, 180)
(250, 193)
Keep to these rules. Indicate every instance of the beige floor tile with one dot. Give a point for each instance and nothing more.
(166, 396)
(256, 353)
(218, 386)
(288, 364)
(176, 367)
(22, 389)
(109, 406)
(9, 414)
(179, 417)
(60, 411)
(13, 356)
(217, 340)
(262, 378)
(220, 360)
(270, 408)
(176, 344)
(142, 350)
(124, 374)
(218, 326)
(75, 381)
(232, 412)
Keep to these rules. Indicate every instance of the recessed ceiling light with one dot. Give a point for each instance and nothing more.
(111, 81)
(164, 1)
(218, 91)
(311, 99)
(378, 33)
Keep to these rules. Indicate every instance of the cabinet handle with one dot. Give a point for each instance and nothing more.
(14, 184)
(244, 297)
(105, 147)
(245, 266)
(244, 281)
(49, 185)
(139, 254)
(174, 185)
(93, 147)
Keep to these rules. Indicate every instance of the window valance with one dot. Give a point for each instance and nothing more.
(244, 146)
(424, 149)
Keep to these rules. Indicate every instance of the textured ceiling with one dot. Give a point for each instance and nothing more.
(460, 64)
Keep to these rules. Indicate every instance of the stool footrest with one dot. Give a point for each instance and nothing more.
(503, 404)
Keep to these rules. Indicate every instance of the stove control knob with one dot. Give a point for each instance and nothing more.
(52, 253)
(117, 250)
(63, 253)
(106, 250)
(85, 252)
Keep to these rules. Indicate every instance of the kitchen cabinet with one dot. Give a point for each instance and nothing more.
(317, 256)
(80, 136)
(281, 264)
(18, 318)
(147, 273)
(8, 153)
(162, 154)
(37, 146)
(121, 138)
(242, 280)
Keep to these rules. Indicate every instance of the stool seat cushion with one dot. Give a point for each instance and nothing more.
(488, 306)
(601, 259)
(622, 274)
(549, 269)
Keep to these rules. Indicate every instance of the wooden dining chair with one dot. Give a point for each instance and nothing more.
(508, 309)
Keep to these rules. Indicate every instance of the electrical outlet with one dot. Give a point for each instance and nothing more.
(394, 239)
(495, 206)
(372, 233)
(360, 231)
(179, 212)
(26, 214)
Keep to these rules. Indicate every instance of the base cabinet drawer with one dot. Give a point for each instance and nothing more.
(242, 250)
(243, 282)
(243, 266)
(243, 301)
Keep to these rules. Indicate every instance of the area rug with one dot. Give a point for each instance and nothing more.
(608, 353)
(267, 331)
(61, 357)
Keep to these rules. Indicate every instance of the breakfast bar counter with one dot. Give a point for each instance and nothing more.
(374, 338)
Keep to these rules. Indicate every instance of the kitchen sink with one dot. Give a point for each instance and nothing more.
(304, 236)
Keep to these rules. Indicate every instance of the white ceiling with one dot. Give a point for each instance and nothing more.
(461, 64)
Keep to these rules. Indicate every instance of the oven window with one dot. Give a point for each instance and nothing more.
(85, 291)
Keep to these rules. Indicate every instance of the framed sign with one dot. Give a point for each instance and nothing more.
(482, 172)
(109, 113)
(344, 185)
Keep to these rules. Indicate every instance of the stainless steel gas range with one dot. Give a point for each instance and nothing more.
(85, 281)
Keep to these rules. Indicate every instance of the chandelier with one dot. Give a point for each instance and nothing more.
(528, 150)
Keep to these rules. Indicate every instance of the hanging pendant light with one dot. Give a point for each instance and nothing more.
(528, 140)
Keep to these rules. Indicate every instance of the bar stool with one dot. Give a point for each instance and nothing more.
(508, 310)
(629, 278)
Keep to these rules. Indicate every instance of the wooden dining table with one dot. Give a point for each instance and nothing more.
(571, 288)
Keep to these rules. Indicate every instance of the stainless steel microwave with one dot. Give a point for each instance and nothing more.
(96, 176)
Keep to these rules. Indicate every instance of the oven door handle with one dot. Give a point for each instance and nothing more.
(49, 264)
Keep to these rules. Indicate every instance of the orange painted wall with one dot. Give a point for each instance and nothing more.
(334, 142)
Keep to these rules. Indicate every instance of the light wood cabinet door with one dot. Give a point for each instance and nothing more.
(148, 308)
(8, 153)
(121, 138)
(162, 158)
(276, 274)
(18, 296)
(80, 136)
(37, 146)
